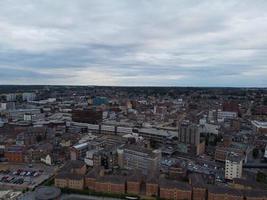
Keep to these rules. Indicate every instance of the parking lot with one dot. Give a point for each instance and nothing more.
(23, 176)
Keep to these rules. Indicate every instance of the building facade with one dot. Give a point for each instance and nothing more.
(233, 166)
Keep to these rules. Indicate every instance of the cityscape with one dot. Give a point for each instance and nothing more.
(133, 100)
(133, 142)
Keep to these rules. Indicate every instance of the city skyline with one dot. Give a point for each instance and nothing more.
(134, 43)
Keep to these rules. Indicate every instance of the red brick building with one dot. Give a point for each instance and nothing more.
(170, 189)
(255, 194)
(90, 178)
(111, 184)
(199, 191)
(134, 183)
(222, 193)
(152, 187)
(14, 154)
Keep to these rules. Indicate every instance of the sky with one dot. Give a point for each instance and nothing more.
(134, 42)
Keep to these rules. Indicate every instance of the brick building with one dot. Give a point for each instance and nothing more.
(152, 186)
(71, 175)
(199, 191)
(134, 183)
(14, 154)
(91, 177)
(175, 190)
(72, 181)
(111, 184)
(222, 193)
(255, 194)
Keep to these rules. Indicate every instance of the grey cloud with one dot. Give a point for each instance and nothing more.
(186, 42)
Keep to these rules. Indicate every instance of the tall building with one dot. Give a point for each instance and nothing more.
(189, 134)
(28, 96)
(11, 97)
(138, 158)
(230, 106)
(233, 166)
(189, 139)
(78, 152)
(87, 116)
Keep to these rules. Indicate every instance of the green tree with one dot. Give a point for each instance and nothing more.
(261, 177)
(255, 153)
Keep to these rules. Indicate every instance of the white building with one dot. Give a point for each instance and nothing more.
(47, 160)
(28, 96)
(28, 117)
(222, 115)
(259, 126)
(11, 97)
(265, 152)
(7, 106)
(233, 166)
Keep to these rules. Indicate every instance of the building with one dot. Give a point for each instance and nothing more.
(222, 193)
(170, 189)
(14, 154)
(47, 160)
(87, 116)
(233, 166)
(259, 126)
(78, 152)
(134, 157)
(90, 178)
(7, 106)
(152, 186)
(71, 175)
(221, 151)
(11, 97)
(199, 188)
(189, 139)
(230, 106)
(177, 171)
(72, 181)
(225, 115)
(28, 96)
(246, 184)
(98, 101)
(255, 194)
(189, 133)
(134, 183)
(111, 184)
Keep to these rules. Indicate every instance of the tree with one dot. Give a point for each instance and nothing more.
(39, 138)
(255, 153)
(261, 177)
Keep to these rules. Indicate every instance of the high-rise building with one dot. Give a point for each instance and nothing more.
(233, 166)
(138, 158)
(230, 106)
(189, 134)
(11, 97)
(28, 96)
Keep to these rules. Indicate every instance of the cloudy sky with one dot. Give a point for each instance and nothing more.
(134, 42)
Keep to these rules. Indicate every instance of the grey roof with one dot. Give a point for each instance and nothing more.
(72, 164)
(69, 176)
(224, 190)
(234, 157)
(167, 183)
(46, 193)
(115, 179)
(255, 193)
(197, 180)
